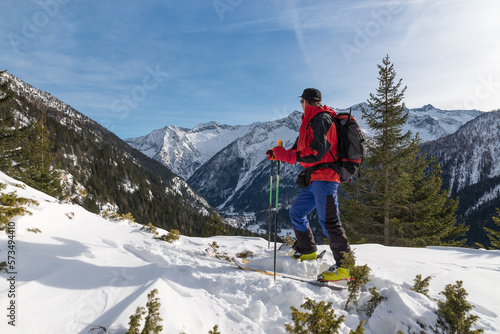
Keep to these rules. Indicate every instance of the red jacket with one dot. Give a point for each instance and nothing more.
(312, 146)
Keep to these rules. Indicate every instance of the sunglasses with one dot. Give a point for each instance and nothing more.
(302, 101)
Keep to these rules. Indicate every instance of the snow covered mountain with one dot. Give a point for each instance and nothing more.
(69, 279)
(471, 168)
(184, 151)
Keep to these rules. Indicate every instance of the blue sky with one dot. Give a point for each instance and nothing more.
(137, 66)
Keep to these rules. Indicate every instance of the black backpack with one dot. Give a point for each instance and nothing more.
(350, 150)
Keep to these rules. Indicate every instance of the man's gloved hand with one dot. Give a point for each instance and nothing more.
(270, 155)
(281, 154)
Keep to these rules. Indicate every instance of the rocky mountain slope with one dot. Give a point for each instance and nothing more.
(471, 169)
(102, 172)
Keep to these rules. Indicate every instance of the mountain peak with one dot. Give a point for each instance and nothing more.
(207, 126)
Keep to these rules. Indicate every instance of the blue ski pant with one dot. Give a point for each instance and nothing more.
(322, 196)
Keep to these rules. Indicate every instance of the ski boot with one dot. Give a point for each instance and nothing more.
(305, 257)
(335, 274)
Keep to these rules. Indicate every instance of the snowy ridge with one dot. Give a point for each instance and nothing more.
(39, 96)
(184, 151)
(430, 122)
(85, 279)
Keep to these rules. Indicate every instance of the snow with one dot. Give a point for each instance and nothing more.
(84, 271)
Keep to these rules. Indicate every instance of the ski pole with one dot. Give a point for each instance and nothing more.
(280, 143)
(270, 205)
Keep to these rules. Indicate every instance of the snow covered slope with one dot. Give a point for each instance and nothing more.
(83, 271)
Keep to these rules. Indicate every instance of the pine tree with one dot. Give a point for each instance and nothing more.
(397, 200)
(359, 277)
(37, 158)
(135, 321)
(321, 319)
(9, 135)
(214, 227)
(215, 330)
(452, 312)
(360, 329)
(494, 236)
(429, 218)
(153, 320)
(12, 206)
(421, 285)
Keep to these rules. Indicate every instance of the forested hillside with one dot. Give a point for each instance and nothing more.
(101, 171)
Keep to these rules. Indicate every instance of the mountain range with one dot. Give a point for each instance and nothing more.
(227, 164)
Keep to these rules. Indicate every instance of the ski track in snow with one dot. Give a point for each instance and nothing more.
(85, 271)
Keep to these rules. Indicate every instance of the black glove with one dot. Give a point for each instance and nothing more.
(270, 155)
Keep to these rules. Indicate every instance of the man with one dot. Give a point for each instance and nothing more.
(311, 149)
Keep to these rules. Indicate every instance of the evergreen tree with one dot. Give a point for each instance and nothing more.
(215, 330)
(452, 312)
(360, 329)
(214, 227)
(398, 198)
(12, 206)
(37, 158)
(320, 320)
(421, 285)
(152, 320)
(8, 133)
(429, 218)
(494, 236)
(359, 277)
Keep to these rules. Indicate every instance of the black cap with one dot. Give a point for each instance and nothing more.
(311, 94)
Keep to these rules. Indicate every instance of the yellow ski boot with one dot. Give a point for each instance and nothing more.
(305, 257)
(335, 274)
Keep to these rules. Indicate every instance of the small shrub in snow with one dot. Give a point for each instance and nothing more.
(374, 301)
(421, 286)
(215, 330)
(452, 313)
(213, 249)
(152, 320)
(12, 206)
(111, 215)
(320, 320)
(98, 330)
(150, 228)
(128, 216)
(288, 240)
(244, 255)
(360, 329)
(359, 277)
(34, 230)
(171, 237)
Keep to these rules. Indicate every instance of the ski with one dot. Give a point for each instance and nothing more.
(320, 256)
(291, 277)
